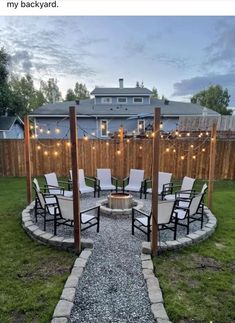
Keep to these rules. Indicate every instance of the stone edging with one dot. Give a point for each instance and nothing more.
(191, 238)
(47, 238)
(64, 307)
(154, 290)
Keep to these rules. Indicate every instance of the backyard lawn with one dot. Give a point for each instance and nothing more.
(199, 282)
(31, 275)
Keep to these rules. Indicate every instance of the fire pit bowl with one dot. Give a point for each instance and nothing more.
(120, 201)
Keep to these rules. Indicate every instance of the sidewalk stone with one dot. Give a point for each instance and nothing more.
(71, 282)
(153, 282)
(155, 295)
(159, 311)
(148, 273)
(80, 262)
(87, 243)
(146, 248)
(63, 309)
(147, 264)
(77, 271)
(85, 254)
(172, 244)
(145, 257)
(60, 320)
(68, 294)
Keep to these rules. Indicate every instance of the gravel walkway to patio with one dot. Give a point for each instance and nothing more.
(112, 288)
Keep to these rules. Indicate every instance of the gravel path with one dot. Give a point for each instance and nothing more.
(112, 288)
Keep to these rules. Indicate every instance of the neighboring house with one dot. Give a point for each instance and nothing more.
(11, 128)
(109, 109)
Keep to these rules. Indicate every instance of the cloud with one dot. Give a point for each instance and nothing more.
(196, 84)
(222, 49)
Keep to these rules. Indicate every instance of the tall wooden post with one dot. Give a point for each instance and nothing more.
(212, 165)
(27, 159)
(155, 170)
(76, 194)
(121, 134)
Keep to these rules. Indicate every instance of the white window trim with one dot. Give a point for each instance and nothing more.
(107, 97)
(121, 98)
(138, 121)
(138, 97)
(107, 123)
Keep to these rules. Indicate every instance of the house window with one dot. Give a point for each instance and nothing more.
(122, 100)
(106, 100)
(141, 126)
(137, 100)
(104, 128)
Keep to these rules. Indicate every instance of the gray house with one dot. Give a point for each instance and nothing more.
(11, 128)
(109, 109)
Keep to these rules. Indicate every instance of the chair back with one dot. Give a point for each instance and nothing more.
(163, 178)
(65, 206)
(136, 177)
(187, 183)
(165, 211)
(39, 195)
(204, 188)
(51, 179)
(81, 177)
(36, 185)
(195, 203)
(104, 175)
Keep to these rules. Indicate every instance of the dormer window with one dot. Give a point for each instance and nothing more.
(106, 100)
(122, 100)
(137, 99)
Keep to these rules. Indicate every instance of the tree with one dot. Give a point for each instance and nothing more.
(4, 88)
(25, 97)
(154, 93)
(81, 92)
(70, 95)
(50, 90)
(214, 98)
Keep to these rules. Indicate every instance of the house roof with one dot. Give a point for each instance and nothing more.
(98, 91)
(7, 122)
(88, 108)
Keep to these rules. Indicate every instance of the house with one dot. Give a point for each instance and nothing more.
(11, 128)
(110, 108)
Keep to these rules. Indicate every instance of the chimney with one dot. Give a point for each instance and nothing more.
(121, 83)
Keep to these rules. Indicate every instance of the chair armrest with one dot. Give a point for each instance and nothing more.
(190, 193)
(56, 188)
(90, 209)
(125, 180)
(114, 181)
(65, 182)
(90, 178)
(141, 212)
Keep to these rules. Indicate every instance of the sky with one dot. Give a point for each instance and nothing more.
(178, 55)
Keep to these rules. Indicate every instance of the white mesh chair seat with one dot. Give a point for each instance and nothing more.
(86, 218)
(181, 214)
(135, 180)
(149, 190)
(108, 187)
(187, 185)
(143, 221)
(52, 183)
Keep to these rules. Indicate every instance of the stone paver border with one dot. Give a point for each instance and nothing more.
(64, 307)
(47, 238)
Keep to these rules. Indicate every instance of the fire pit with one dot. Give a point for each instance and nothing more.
(119, 204)
(120, 201)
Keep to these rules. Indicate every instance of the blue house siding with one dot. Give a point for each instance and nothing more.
(98, 100)
(16, 132)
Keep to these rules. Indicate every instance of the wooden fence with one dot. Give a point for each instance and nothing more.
(137, 153)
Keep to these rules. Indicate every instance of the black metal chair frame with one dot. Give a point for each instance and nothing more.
(167, 188)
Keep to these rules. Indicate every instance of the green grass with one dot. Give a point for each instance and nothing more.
(32, 276)
(198, 282)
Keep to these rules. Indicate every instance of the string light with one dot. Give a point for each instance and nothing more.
(56, 153)
(191, 146)
(176, 132)
(46, 153)
(85, 138)
(38, 147)
(57, 130)
(93, 133)
(128, 140)
(140, 147)
(68, 144)
(161, 125)
(161, 136)
(167, 150)
(207, 133)
(188, 134)
(36, 127)
(194, 157)
(119, 152)
(58, 144)
(33, 136)
(180, 135)
(182, 157)
(41, 130)
(174, 150)
(31, 127)
(107, 143)
(203, 150)
(48, 131)
(93, 147)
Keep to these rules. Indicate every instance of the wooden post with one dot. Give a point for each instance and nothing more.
(27, 159)
(212, 165)
(155, 170)
(76, 194)
(121, 136)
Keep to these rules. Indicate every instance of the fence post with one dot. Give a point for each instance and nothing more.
(212, 165)
(75, 167)
(155, 170)
(27, 159)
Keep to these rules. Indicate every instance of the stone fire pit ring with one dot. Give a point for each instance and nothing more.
(119, 204)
